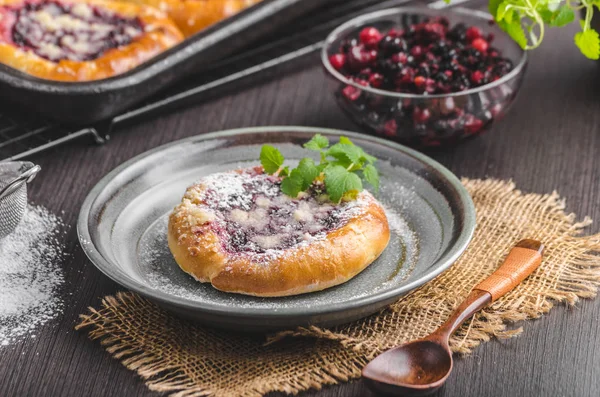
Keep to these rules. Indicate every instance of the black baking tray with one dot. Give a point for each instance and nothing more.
(90, 102)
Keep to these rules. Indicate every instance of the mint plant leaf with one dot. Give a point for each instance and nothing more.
(589, 43)
(547, 16)
(563, 16)
(317, 142)
(308, 171)
(345, 153)
(271, 159)
(346, 141)
(370, 159)
(515, 30)
(505, 12)
(339, 181)
(292, 185)
(493, 6)
(371, 175)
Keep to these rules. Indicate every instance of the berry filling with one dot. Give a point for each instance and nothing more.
(426, 58)
(253, 216)
(62, 31)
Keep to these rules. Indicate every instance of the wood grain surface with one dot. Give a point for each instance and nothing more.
(549, 140)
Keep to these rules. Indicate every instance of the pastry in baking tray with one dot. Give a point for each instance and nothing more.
(239, 232)
(81, 40)
(191, 16)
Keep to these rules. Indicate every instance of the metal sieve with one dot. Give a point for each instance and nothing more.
(14, 176)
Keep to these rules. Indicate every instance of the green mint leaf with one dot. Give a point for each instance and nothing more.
(285, 171)
(493, 7)
(371, 175)
(317, 143)
(346, 154)
(271, 159)
(515, 30)
(505, 12)
(321, 167)
(308, 171)
(547, 16)
(589, 43)
(292, 185)
(346, 141)
(563, 16)
(370, 159)
(339, 181)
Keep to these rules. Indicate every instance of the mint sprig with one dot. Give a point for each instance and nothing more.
(342, 169)
(271, 159)
(526, 21)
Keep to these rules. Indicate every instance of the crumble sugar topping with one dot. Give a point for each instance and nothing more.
(77, 32)
(252, 216)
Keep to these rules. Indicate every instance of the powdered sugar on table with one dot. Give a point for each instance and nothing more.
(30, 276)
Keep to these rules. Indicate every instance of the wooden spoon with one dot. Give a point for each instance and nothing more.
(421, 367)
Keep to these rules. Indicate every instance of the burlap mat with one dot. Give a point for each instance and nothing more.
(175, 356)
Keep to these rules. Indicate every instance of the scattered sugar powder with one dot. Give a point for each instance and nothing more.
(30, 276)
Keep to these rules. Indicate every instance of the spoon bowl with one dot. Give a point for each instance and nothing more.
(418, 368)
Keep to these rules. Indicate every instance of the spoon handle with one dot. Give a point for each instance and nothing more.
(521, 261)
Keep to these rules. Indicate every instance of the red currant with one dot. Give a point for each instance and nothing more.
(421, 115)
(480, 45)
(390, 128)
(375, 80)
(338, 61)
(472, 33)
(476, 77)
(352, 93)
(370, 36)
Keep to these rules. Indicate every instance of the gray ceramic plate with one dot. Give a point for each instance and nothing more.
(122, 229)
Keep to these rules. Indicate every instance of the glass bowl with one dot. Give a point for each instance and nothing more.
(453, 117)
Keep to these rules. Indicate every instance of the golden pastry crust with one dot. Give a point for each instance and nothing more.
(159, 33)
(192, 16)
(315, 265)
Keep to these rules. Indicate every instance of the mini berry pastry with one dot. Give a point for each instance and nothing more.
(192, 16)
(81, 40)
(253, 233)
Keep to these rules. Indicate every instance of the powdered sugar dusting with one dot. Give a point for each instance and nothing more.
(254, 218)
(30, 276)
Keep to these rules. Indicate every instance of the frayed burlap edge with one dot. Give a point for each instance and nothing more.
(571, 270)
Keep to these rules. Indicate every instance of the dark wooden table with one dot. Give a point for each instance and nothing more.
(549, 141)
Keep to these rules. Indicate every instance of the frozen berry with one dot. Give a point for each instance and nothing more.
(337, 61)
(391, 44)
(472, 33)
(476, 77)
(400, 58)
(480, 45)
(359, 58)
(420, 81)
(421, 115)
(472, 124)
(369, 36)
(351, 92)
(376, 80)
(390, 128)
(416, 51)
